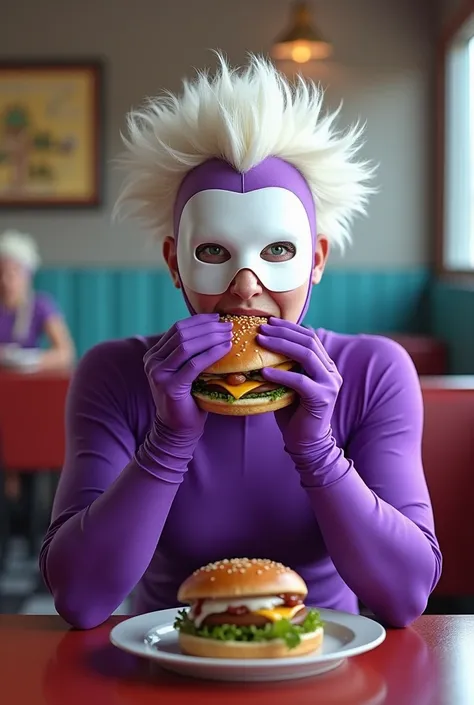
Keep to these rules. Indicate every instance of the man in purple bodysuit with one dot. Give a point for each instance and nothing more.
(248, 184)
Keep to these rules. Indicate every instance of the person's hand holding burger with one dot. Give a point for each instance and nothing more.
(306, 424)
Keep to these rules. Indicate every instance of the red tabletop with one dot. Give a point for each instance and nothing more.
(43, 662)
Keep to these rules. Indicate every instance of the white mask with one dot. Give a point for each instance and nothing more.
(244, 224)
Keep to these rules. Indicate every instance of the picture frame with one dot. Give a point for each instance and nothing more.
(51, 141)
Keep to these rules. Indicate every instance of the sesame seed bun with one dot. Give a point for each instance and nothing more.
(276, 648)
(241, 577)
(245, 354)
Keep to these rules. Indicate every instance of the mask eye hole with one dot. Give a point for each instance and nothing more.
(212, 254)
(278, 252)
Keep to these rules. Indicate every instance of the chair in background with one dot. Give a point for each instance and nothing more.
(31, 443)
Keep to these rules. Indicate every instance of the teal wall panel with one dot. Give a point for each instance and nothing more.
(100, 304)
(453, 321)
(372, 302)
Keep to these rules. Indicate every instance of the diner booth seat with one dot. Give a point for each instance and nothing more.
(448, 456)
(429, 355)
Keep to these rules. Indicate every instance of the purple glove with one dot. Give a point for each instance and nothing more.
(174, 363)
(306, 426)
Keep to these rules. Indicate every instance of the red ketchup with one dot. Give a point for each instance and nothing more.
(291, 600)
(197, 608)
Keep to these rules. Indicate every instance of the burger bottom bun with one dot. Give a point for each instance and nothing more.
(244, 407)
(276, 648)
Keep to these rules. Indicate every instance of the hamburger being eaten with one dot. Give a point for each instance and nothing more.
(234, 384)
(247, 609)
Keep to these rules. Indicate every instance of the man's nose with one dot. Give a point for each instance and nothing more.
(246, 285)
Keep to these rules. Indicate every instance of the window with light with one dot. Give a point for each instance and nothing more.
(458, 241)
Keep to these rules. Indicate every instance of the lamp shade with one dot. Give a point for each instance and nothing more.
(302, 42)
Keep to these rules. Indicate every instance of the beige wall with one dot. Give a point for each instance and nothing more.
(382, 68)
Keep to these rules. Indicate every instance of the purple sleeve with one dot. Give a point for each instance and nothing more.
(372, 504)
(112, 501)
(45, 307)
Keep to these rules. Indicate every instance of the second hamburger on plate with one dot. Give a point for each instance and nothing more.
(247, 609)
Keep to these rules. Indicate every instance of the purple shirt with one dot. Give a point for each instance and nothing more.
(43, 307)
(365, 530)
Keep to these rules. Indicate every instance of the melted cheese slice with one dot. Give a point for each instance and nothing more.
(238, 390)
(274, 615)
(284, 366)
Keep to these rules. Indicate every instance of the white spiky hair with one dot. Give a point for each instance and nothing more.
(21, 248)
(242, 117)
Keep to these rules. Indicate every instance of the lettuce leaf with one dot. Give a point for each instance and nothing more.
(283, 629)
(202, 388)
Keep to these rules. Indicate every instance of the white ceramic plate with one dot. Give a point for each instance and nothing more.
(152, 636)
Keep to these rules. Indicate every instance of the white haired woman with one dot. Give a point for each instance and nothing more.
(27, 317)
(248, 184)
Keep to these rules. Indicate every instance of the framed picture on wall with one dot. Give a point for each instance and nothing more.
(51, 134)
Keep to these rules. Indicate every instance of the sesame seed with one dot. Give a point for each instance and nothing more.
(235, 566)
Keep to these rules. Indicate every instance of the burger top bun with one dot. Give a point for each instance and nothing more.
(241, 577)
(245, 354)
